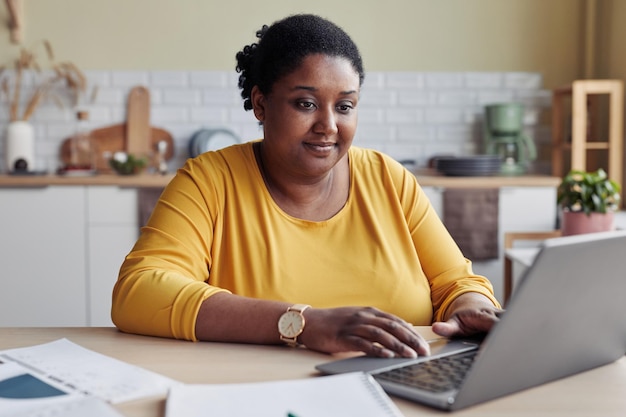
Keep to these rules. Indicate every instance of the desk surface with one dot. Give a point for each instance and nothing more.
(596, 392)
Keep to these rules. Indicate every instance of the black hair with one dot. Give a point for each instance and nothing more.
(283, 46)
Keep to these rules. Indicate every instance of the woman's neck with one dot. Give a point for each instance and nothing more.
(315, 200)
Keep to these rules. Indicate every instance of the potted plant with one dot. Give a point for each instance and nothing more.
(23, 88)
(127, 164)
(588, 201)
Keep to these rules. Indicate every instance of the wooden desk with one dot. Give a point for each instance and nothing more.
(599, 392)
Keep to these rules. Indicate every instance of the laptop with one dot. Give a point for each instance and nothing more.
(567, 315)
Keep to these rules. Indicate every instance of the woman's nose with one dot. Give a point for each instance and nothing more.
(326, 122)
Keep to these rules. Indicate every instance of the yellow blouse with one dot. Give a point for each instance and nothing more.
(216, 228)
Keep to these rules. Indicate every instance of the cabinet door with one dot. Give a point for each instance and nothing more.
(42, 253)
(521, 209)
(113, 230)
(527, 208)
(435, 195)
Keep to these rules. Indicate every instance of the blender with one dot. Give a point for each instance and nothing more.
(504, 136)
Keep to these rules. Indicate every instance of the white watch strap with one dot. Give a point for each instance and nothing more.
(298, 307)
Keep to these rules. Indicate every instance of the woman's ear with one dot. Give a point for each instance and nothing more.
(258, 103)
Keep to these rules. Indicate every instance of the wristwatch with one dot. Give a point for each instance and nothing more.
(291, 324)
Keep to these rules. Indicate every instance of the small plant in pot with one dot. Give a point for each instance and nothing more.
(127, 164)
(588, 201)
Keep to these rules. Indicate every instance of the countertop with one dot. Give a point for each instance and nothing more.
(130, 181)
(431, 178)
(426, 178)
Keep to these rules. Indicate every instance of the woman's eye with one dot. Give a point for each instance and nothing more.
(306, 105)
(344, 108)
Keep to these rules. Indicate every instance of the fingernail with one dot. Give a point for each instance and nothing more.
(412, 354)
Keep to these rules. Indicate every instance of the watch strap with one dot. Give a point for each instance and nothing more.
(298, 308)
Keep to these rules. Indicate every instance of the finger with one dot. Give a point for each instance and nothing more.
(408, 336)
(388, 338)
(446, 328)
(402, 331)
(378, 314)
(375, 349)
(470, 322)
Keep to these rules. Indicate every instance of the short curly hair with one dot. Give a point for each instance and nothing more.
(283, 46)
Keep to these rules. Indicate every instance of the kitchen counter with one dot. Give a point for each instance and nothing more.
(431, 178)
(135, 181)
(426, 178)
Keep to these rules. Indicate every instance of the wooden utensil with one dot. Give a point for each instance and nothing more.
(138, 122)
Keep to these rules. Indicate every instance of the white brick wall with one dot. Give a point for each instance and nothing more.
(409, 115)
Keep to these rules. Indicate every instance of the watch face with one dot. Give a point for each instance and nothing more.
(291, 324)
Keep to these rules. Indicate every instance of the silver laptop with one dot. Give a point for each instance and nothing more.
(567, 315)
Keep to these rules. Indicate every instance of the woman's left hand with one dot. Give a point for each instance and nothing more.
(471, 314)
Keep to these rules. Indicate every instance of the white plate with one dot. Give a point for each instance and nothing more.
(206, 140)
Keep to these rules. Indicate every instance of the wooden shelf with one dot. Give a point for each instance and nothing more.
(584, 112)
(588, 146)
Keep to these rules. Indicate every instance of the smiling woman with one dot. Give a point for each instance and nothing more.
(309, 122)
(300, 226)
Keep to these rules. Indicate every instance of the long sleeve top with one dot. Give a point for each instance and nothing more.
(216, 228)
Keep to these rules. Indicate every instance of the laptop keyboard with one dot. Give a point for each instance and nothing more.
(436, 375)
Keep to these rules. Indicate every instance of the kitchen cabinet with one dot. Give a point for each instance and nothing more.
(61, 248)
(43, 257)
(112, 229)
(520, 209)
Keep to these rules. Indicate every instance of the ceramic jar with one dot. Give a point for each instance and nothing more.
(20, 147)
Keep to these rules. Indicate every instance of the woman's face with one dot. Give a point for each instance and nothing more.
(309, 118)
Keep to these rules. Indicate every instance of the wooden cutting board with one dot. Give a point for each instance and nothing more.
(111, 139)
(138, 122)
(136, 136)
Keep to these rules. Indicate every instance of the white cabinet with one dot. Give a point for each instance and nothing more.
(61, 247)
(527, 208)
(60, 250)
(435, 195)
(112, 231)
(520, 209)
(43, 257)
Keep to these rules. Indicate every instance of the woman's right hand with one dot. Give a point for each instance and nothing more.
(363, 329)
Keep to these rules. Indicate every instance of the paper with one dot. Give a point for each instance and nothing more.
(351, 394)
(78, 370)
(74, 407)
(25, 394)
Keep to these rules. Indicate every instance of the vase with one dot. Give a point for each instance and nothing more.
(20, 147)
(577, 222)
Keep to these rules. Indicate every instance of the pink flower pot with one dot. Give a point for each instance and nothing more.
(576, 223)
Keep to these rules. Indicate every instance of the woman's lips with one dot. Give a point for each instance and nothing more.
(321, 147)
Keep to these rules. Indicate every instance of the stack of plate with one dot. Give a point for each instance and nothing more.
(205, 140)
(470, 166)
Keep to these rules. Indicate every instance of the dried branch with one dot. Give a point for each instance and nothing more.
(63, 72)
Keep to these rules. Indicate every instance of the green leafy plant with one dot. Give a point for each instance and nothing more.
(127, 164)
(591, 192)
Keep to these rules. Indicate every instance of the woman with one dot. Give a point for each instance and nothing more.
(300, 238)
